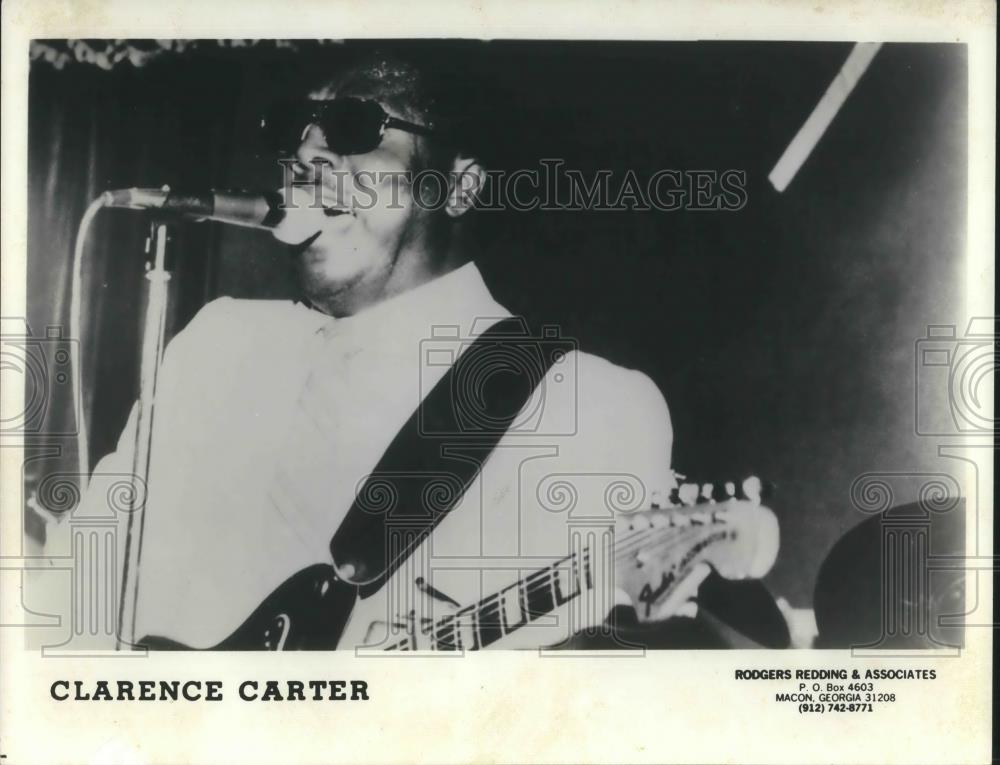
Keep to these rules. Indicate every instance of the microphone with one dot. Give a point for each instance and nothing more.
(251, 209)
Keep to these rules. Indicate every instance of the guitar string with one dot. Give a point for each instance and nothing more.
(544, 577)
(637, 539)
(623, 548)
(674, 536)
(717, 508)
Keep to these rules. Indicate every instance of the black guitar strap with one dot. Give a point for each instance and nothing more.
(441, 448)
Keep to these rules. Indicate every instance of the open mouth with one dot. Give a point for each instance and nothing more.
(334, 204)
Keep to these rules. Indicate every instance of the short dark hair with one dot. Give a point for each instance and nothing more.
(426, 86)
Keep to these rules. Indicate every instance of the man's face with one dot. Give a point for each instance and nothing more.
(368, 217)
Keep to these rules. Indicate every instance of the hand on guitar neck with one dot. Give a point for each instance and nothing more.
(653, 560)
(663, 554)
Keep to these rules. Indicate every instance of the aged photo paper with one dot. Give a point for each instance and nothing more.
(497, 382)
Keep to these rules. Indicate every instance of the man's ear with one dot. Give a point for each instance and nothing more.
(465, 182)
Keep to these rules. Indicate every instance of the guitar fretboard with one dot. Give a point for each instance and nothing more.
(680, 536)
(498, 615)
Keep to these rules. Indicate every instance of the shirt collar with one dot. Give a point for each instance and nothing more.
(458, 299)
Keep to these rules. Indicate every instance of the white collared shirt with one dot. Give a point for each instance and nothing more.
(269, 415)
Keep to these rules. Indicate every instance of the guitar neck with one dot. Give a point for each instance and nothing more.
(679, 540)
(496, 616)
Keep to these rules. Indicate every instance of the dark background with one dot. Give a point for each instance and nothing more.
(782, 335)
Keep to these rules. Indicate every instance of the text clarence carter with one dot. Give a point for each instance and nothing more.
(208, 690)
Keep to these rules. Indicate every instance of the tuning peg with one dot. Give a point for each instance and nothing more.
(724, 492)
(752, 489)
(688, 493)
(707, 491)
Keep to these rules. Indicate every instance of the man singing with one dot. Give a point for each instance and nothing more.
(270, 415)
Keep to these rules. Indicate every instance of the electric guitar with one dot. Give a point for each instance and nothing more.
(652, 559)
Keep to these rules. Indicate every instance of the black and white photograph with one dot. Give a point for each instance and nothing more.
(609, 352)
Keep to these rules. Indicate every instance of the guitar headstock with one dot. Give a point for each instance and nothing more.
(659, 551)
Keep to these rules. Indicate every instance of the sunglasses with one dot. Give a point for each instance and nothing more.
(349, 125)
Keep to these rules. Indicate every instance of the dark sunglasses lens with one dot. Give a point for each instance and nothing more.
(351, 126)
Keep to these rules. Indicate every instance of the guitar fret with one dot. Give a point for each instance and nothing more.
(514, 616)
(400, 645)
(567, 581)
(468, 639)
(538, 596)
(675, 538)
(489, 624)
(444, 634)
(496, 616)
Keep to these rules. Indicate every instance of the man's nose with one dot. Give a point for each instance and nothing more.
(313, 154)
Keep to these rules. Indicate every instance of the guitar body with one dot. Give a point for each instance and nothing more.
(653, 560)
(314, 611)
(308, 612)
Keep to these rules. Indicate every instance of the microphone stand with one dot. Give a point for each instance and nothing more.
(150, 359)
